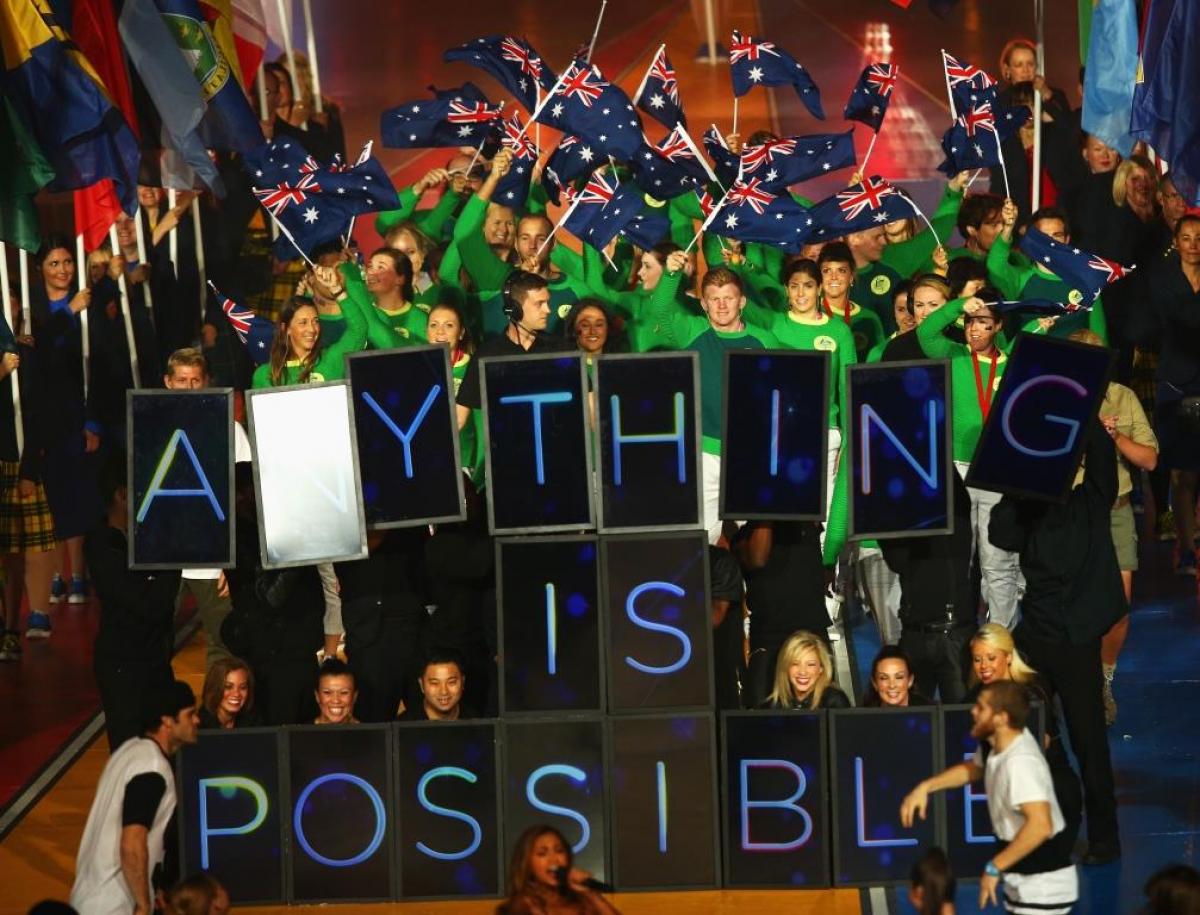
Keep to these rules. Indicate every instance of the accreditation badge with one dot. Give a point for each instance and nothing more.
(564, 310)
(1075, 297)
(881, 284)
(825, 344)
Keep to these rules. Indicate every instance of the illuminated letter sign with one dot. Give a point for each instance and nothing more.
(180, 479)
(407, 433)
(227, 786)
(899, 450)
(776, 422)
(648, 416)
(537, 450)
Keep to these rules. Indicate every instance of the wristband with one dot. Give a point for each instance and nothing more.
(991, 870)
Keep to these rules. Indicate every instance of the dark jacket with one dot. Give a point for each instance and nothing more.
(33, 415)
(137, 608)
(1168, 317)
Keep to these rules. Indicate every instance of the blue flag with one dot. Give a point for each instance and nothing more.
(513, 189)
(975, 138)
(871, 202)
(781, 163)
(439, 122)
(587, 105)
(254, 331)
(1109, 78)
(1086, 273)
(573, 158)
(659, 92)
(624, 215)
(754, 62)
(585, 205)
(869, 98)
(671, 168)
(749, 212)
(513, 62)
(725, 161)
(967, 82)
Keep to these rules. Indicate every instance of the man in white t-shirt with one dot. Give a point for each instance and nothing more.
(1038, 878)
(123, 840)
(187, 370)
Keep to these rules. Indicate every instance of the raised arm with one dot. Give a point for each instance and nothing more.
(931, 331)
(1007, 277)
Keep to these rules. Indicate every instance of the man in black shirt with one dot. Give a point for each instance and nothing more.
(442, 682)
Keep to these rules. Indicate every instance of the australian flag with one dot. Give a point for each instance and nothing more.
(588, 105)
(750, 212)
(781, 163)
(967, 83)
(871, 202)
(754, 62)
(585, 204)
(871, 95)
(671, 168)
(311, 203)
(439, 122)
(975, 137)
(513, 62)
(725, 161)
(658, 95)
(513, 188)
(255, 332)
(573, 158)
(1081, 270)
(624, 215)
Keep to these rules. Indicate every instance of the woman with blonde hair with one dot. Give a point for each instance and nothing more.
(804, 676)
(994, 656)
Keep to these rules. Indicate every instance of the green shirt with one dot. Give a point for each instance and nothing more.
(864, 325)
(874, 289)
(330, 364)
(907, 257)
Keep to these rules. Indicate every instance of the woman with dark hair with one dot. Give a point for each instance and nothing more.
(1173, 890)
(389, 277)
(542, 879)
(297, 356)
(891, 681)
(632, 304)
(227, 699)
(594, 329)
(199, 894)
(932, 884)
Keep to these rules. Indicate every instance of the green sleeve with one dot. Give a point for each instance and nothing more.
(683, 211)
(449, 269)
(1097, 321)
(687, 207)
(355, 336)
(673, 328)
(767, 259)
(388, 219)
(379, 333)
(628, 303)
(433, 221)
(487, 270)
(945, 217)
(1008, 278)
(537, 201)
(874, 327)
(847, 355)
(876, 352)
(766, 291)
(907, 257)
(568, 261)
(930, 332)
(837, 521)
(262, 376)
(470, 220)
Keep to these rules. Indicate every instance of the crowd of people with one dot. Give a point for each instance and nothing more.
(1020, 592)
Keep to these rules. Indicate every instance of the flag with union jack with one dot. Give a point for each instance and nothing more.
(724, 160)
(871, 95)
(513, 189)
(1087, 274)
(756, 62)
(782, 163)
(587, 202)
(587, 105)
(573, 158)
(625, 215)
(658, 95)
(438, 122)
(967, 83)
(511, 61)
(751, 212)
(255, 332)
(975, 138)
(870, 202)
(671, 168)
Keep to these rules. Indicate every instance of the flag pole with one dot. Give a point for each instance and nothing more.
(1003, 167)
(687, 138)
(710, 29)
(949, 91)
(141, 250)
(596, 31)
(200, 266)
(262, 93)
(286, 22)
(26, 320)
(870, 149)
(735, 114)
(288, 235)
(318, 105)
(707, 222)
(123, 290)
(646, 76)
(10, 314)
(561, 221)
(1036, 195)
(542, 104)
(85, 342)
(173, 235)
(537, 128)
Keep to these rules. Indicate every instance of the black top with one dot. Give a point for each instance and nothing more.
(788, 593)
(1170, 316)
(1073, 583)
(468, 393)
(210, 722)
(388, 585)
(833, 697)
(33, 415)
(416, 712)
(137, 608)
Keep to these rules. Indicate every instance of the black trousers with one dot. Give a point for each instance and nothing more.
(384, 660)
(939, 661)
(1073, 673)
(124, 683)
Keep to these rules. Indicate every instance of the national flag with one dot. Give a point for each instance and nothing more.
(513, 189)
(624, 215)
(220, 18)
(254, 331)
(1109, 78)
(977, 135)
(61, 99)
(511, 61)
(755, 62)
(725, 161)
(782, 163)
(467, 92)
(25, 172)
(586, 203)
(671, 168)
(658, 94)
(871, 202)
(968, 83)
(751, 213)
(588, 105)
(1083, 271)
(871, 95)
(439, 122)
(572, 158)
(249, 35)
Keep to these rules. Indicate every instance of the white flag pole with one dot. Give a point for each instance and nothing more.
(173, 235)
(318, 105)
(735, 115)
(26, 320)
(200, 266)
(707, 222)
(544, 102)
(949, 91)
(710, 29)
(86, 343)
(1036, 197)
(286, 22)
(10, 314)
(124, 306)
(646, 76)
(596, 31)
(141, 250)
(708, 170)
(264, 115)
(870, 149)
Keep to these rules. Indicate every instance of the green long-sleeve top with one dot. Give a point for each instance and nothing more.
(433, 222)
(874, 289)
(907, 257)
(470, 436)
(1025, 281)
(330, 364)
(863, 323)
(678, 330)
(384, 331)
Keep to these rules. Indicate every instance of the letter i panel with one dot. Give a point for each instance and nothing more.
(554, 773)
(341, 834)
(448, 809)
(548, 602)
(900, 450)
(774, 802)
(663, 790)
(658, 622)
(648, 414)
(879, 755)
(537, 448)
(231, 811)
(180, 479)
(406, 427)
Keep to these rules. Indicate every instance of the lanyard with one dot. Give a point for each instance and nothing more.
(845, 311)
(985, 402)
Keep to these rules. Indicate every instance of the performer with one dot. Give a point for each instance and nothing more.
(542, 879)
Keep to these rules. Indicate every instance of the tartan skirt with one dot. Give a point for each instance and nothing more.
(25, 523)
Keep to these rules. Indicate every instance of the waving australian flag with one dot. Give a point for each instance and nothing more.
(1085, 272)
(871, 95)
(658, 94)
(254, 331)
(749, 212)
(725, 161)
(781, 163)
(975, 137)
(625, 215)
(871, 202)
(439, 122)
(588, 105)
(967, 82)
(584, 205)
(754, 62)
(513, 62)
(671, 168)
(573, 158)
(513, 188)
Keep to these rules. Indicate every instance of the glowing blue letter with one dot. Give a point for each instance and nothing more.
(551, 632)
(467, 776)
(648, 438)
(228, 786)
(405, 437)
(576, 775)
(930, 476)
(788, 803)
(970, 798)
(775, 433)
(631, 612)
(380, 820)
(537, 400)
(860, 800)
(160, 472)
(1073, 425)
(660, 770)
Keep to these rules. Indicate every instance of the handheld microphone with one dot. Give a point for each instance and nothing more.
(563, 874)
